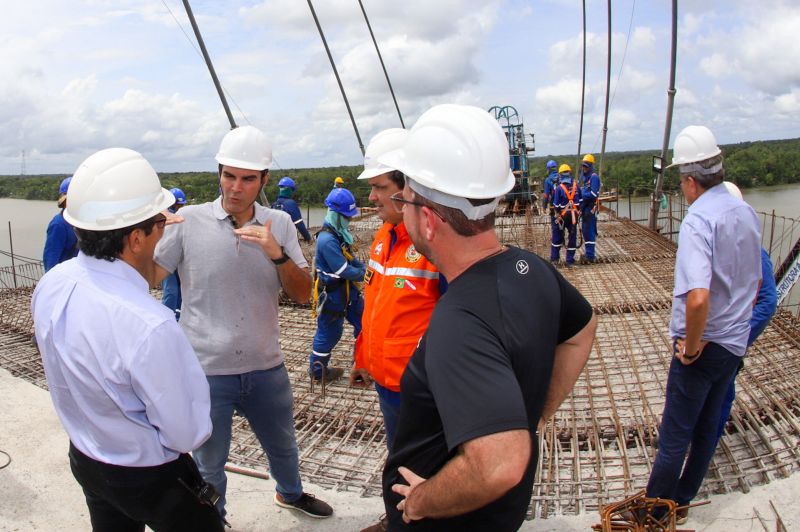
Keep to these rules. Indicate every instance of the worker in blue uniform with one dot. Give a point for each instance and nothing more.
(550, 183)
(171, 285)
(763, 310)
(285, 202)
(61, 243)
(336, 296)
(566, 199)
(590, 191)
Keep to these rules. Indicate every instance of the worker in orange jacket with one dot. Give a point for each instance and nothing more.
(401, 288)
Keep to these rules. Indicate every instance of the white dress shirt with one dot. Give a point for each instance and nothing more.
(124, 380)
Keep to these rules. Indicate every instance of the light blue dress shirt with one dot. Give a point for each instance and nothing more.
(719, 248)
(123, 378)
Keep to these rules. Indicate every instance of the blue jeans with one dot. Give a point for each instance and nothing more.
(265, 399)
(691, 416)
(390, 407)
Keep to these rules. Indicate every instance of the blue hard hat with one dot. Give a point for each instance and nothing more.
(62, 189)
(180, 197)
(287, 182)
(342, 201)
(552, 164)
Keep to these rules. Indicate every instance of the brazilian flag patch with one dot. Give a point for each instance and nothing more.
(399, 282)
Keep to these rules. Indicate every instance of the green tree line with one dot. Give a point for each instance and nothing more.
(748, 164)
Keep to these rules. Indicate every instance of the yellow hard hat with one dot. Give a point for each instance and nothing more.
(564, 169)
(339, 181)
(588, 158)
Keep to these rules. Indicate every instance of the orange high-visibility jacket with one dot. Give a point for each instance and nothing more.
(400, 291)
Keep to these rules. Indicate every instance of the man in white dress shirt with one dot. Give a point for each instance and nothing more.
(124, 379)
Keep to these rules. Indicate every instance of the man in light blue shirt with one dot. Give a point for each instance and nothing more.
(717, 275)
(123, 378)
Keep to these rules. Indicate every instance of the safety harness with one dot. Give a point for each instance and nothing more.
(316, 293)
(570, 201)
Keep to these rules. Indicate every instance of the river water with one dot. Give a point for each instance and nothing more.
(29, 219)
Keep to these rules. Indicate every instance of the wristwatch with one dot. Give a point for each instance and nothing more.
(284, 257)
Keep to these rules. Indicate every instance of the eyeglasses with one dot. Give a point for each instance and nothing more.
(398, 201)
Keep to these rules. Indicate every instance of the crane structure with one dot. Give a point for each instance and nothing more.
(519, 145)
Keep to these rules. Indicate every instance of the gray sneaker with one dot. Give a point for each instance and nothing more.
(308, 504)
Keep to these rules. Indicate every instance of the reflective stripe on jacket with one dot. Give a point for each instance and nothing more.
(400, 290)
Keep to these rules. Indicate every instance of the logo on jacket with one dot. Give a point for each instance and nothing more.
(412, 255)
(522, 267)
(378, 248)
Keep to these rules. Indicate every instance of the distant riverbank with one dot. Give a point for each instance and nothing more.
(29, 218)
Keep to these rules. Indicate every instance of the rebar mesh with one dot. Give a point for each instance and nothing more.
(600, 445)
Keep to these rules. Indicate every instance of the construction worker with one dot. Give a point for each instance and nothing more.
(286, 189)
(717, 275)
(590, 191)
(550, 183)
(61, 243)
(566, 198)
(338, 182)
(763, 310)
(491, 365)
(171, 285)
(336, 295)
(236, 256)
(124, 380)
(400, 288)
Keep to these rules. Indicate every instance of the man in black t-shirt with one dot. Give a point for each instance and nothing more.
(494, 363)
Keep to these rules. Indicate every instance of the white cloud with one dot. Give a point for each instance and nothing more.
(716, 65)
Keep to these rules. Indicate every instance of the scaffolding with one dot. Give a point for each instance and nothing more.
(600, 445)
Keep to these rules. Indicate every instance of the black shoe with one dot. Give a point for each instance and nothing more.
(681, 516)
(308, 504)
(331, 374)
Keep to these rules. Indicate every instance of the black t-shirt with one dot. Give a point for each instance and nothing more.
(483, 367)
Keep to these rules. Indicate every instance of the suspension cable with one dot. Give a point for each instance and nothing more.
(383, 66)
(608, 87)
(194, 47)
(208, 63)
(583, 85)
(336, 73)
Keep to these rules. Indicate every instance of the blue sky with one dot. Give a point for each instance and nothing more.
(84, 75)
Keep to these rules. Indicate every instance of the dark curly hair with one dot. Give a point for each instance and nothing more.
(107, 245)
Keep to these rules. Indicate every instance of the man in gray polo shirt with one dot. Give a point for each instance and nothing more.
(233, 256)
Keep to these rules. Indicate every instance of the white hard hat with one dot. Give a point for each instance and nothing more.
(115, 188)
(693, 144)
(455, 152)
(245, 147)
(733, 190)
(385, 141)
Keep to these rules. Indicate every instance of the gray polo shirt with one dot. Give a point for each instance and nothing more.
(719, 248)
(230, 292)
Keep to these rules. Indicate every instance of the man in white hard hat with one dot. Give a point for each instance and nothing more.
(491, 366)
(717, 274)
(400, 288)
(123, 377)
(233, 257)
